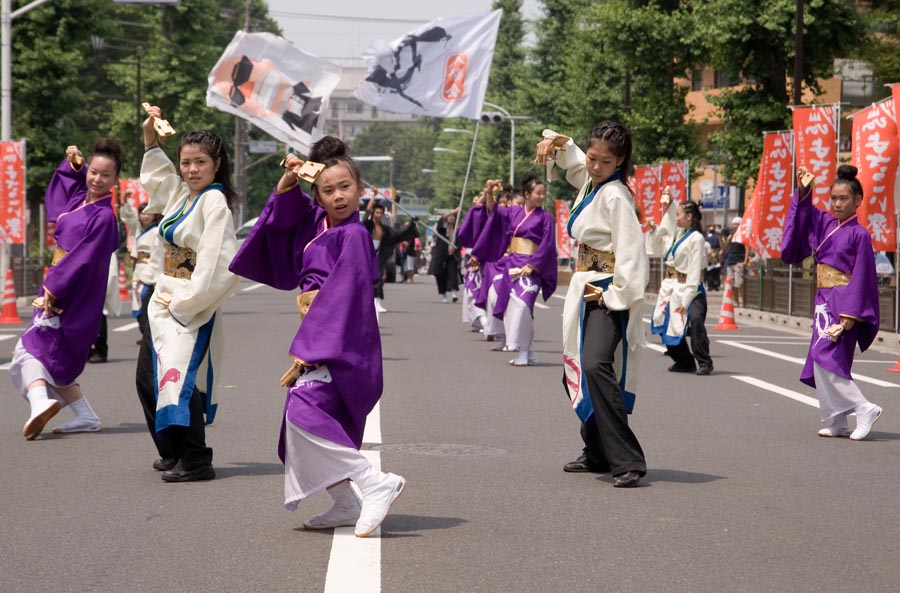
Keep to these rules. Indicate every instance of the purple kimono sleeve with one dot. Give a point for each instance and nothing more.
(66, 190)
(803, 227)
(859, 299)
(544, 259)
(494, 239)
(273, 251)
(81, 265)
(471, 226)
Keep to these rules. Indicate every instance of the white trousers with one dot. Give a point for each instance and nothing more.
(837, 395)
(25, 369)
(312, 463)
(519, 324)
(493, 326)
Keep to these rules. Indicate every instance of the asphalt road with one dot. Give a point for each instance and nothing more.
(741, 494)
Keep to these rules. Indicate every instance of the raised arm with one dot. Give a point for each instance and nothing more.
(67, 187)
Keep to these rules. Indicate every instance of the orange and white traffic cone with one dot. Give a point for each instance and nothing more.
(9, 314)
(123, 286)
(726, 318)
(896, 367)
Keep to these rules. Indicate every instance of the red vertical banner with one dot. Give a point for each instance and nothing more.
(563, 240)
(772, 194)
(746, 233)
(895, 94)
(646, 192)
(815, 143)
(875, 155)
(12, 192)
(131, 191)
(675, 175)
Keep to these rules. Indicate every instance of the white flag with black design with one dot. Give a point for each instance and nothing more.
(440, 69)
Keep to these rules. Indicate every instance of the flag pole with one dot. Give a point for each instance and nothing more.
(462, 195)
(413, 215)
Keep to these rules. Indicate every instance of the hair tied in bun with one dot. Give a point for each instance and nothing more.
(847, 172)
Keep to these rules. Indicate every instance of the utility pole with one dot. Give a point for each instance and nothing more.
(798, 54)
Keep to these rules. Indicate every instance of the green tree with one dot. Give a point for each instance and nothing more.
(883, 51)
(410, 145)
(754, 39)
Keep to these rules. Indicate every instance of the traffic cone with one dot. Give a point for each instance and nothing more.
(123, 286)
(726, 318)
(9, 314)
(896, 367)
(46, 271)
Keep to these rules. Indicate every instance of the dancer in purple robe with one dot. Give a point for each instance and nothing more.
(321, 248)
(52, 352)
(524, 238)
(473, 277)
(847, 312)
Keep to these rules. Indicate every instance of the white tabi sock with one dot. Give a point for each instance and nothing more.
(85, 419)
(344, 512)
(37, 397)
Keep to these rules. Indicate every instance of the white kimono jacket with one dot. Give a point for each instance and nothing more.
(192, 321)
(608, 223)
(687, 255)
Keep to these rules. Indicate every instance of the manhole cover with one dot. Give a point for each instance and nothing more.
(440, 450)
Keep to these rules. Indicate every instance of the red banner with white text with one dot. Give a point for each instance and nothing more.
(875, 155)
(563, 240)
(815, 144)
(12, 192)
(675, 175)
(772, 194)
(646, 192)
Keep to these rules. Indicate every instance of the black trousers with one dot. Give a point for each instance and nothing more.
(142, 320)
(448, 278)
(101, 346)
(696, 329)
(187, 443)
(608, 440)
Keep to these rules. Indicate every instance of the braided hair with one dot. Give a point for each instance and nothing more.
(618, 140)
(215, 148)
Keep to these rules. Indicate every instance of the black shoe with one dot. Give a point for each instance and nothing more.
(677, 368)
(627, 480)
(179, 474)
(583, 464)
(96, 357)
(705, 369)
(164, 464)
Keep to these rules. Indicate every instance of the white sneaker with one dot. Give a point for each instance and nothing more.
(379, 308)
(532, 358)
(343, 513)
(377, 503)
(444, 299)
(865, 420)
(39, 419)
(78, 424)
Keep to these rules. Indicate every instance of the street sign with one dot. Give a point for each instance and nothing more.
(263, 146)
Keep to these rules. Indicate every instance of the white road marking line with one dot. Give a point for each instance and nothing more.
(559, 296)
(803, 399)
(8, 337)
(355, 563)
(780, 343)
(127, 327)
(253, 287)
(656, 347)
(5, 367)
(540, 305)
(802, 361)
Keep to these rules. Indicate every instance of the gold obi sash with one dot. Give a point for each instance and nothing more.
(180, 262)
(594, 260)
(143, 257)
(58, 254)
(673, 273)
(305, 301)
(522, 246)
(828, 277)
